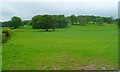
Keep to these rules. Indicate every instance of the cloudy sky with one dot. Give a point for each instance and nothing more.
(26, 9)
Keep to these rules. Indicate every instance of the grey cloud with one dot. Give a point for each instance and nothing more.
(26, 10)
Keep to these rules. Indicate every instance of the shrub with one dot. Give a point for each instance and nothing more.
(4, 38)
(6, 32)
(5, 35)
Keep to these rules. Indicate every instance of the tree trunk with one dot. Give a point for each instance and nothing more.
(46, 29)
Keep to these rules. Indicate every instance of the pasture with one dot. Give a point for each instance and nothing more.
(76, 47)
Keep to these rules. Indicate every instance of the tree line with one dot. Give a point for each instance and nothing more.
(56, 21)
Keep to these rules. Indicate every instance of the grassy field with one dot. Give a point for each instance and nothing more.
(0, 50)
(77, 47)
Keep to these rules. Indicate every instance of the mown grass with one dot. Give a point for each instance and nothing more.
(0, 49)
(77, 47)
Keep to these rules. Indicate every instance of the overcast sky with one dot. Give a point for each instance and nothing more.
(27, 9)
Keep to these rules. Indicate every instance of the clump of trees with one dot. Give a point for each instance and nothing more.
(107, 19)
(43, 22)
(73, 19)
(49, 22)
(82, 21)
(61, 21)
(15, 22)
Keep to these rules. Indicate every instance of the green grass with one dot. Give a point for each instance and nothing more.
(0, 57)
(0, 50)
(77, 47)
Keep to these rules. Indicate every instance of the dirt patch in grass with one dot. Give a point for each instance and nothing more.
(69, 63)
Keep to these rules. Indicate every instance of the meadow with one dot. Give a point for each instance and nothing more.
(76, 47)
(0, 57)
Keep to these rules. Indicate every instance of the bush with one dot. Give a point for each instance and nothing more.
(5, 35)
(4, 38)
(6, 32)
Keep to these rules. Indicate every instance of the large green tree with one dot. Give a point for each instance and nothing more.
(47, 22)
(61, 21)
(35, 22)
(43, 22)
(15, 22)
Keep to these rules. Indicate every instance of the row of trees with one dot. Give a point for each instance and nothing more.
(77, 19)
(39, 22)
(56, 21)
